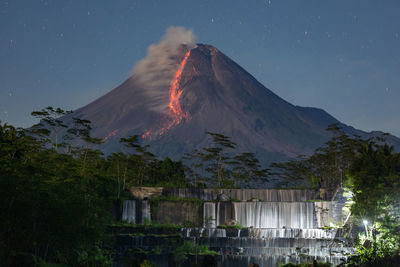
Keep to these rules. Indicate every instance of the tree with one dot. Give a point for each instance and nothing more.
(50, 122)
(214, 162)
(48, 211)
(247, 169)
(219, 166)
(374, 177)
(327, 167)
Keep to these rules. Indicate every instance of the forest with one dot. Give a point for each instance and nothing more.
(57, 198)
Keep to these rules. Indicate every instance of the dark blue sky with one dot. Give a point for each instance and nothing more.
(340, 55)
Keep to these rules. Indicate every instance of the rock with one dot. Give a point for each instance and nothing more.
(252, 264)
(223, 197)
(146, 192)
(230, 222)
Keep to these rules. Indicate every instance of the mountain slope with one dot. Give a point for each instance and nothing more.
(214, 94)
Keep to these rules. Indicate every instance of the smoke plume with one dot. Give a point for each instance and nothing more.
(155, 72)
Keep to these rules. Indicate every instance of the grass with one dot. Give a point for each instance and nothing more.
(235, 226)
(148, 225)
(177, 199)
(315, 264)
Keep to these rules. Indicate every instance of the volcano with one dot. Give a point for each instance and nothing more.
(209, 92)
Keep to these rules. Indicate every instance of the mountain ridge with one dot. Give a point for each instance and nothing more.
(217, 95)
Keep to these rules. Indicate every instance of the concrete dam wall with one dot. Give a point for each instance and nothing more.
(267, 227)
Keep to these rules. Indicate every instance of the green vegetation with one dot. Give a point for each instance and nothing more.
(57, 190)
(370, 169)
(189, 248)
(172, 198)
(218, 165)
(150, 225)
(374, 178)
(54, 206)
(313, 264)
(56, 199)
(234, 226)
(327, 167)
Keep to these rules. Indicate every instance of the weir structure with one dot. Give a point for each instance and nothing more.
(262, 226)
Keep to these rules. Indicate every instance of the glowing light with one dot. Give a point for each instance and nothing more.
(175, 114)
(145, 135)
(366, 229)
(175, 91)
(113, 133)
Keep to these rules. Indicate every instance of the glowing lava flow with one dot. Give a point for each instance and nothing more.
(175, 91)
(113, 133)
(146, 134)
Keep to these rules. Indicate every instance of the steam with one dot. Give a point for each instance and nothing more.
(155, 72)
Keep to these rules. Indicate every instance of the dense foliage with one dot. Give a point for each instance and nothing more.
(327, 167)
(57, 191)
(374, 178)
(53, 205)
(56, 199)
(368, 168)
(219, 166)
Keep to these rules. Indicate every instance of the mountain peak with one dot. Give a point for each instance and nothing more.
(172, 108)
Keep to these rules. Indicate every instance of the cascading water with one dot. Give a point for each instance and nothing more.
(267, 195)
(275, 214)
(209, 215)
(146, 215)
(129, 211)
(275, 231)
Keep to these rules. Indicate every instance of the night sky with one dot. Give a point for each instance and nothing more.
(341, 56)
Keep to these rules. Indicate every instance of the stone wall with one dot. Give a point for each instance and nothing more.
(270, 195)
(180, 213)
(275, 226)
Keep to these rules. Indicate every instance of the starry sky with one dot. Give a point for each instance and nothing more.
(339, 55)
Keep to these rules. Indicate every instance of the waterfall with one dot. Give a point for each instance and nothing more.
(276, 260)
(146, 212)
(271, 195)
(129, 211)
(266, 244)
(203, 232)
(275, 214)
(209, 215)
(289, 233)
(280, 226)
(268, 195)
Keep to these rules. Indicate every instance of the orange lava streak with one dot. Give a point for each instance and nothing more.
(146, 134)
(113, 133)
(176, 114)
(175, 92)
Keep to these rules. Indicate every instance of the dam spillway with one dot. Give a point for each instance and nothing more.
(267, 227)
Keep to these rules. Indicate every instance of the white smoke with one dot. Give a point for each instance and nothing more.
(154, 73)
